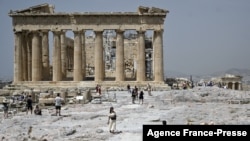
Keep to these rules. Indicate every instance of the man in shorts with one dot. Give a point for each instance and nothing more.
(58, 104)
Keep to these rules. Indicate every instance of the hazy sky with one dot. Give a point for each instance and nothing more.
(200, 36)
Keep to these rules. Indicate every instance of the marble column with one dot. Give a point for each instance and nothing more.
(24, 57)
(63, 54)
(40, 57)
(240, 86)
(119, 56)
(83, 55)
(36, 56)
(77, 76)
(141, 66)
(18, 57)
(158, 56)
(45, 55)
(57, 71)
(233, 85)
(99, 76)
(29, 55)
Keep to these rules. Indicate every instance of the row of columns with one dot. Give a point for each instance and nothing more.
(31, 60)
(235, 85)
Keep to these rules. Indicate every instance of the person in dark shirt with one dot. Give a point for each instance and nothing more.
(128, 88)
(164, 122)
(29, 105)
(5, 108)
(133, 96)
(141, 97)
(136, 92)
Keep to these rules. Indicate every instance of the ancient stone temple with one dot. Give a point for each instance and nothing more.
(118, 51)
(233, 82)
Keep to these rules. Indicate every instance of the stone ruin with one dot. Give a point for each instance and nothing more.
(108, 60)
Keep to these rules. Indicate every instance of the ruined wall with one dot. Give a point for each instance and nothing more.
(130, 51)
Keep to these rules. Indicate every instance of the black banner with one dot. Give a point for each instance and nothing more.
(163, 132)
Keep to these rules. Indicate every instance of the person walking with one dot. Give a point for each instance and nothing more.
(133, 96)
(29, 105)
(58, 104)
(141, 97)
(99, 90)
(5, 108)
(112, 120)
(149, 89)
(128, 88)
(136, 92)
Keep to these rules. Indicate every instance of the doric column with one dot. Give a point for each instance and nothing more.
(24, 57)
(63, 54)
(233, 85)
(83, 55)
(29, 55)
(240, 86)
(45, 55)
(40, 57)
(36, 57)
(99, 74)
(77, 56)
(158, 56)
(18, 57)
(119, 56)
(141, 69)
(57, 71)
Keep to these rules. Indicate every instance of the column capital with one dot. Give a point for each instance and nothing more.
(78, 30)
(57, 32)
(159, 30)
(141, 31)
(119, 31)
(98, 31)
(44, 30)
(34, 32)
(17, 30)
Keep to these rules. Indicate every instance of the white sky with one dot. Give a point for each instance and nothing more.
(200, 36)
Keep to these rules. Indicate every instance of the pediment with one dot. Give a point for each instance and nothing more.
(42, 8)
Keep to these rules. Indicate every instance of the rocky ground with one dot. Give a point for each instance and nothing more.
(84, 122)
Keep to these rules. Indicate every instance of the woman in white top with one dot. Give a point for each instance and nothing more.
(112, 120)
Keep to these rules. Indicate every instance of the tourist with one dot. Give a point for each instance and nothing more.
(5, 108)
(149, 89)
(29, 104)
(141, 97)
(99, 90)
(37, 110)
(133, 96)
(58, 104)
(128, 88)
(112, 120)
(136, 92)
(164, 122)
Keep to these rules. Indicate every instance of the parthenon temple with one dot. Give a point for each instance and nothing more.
(111, 47)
